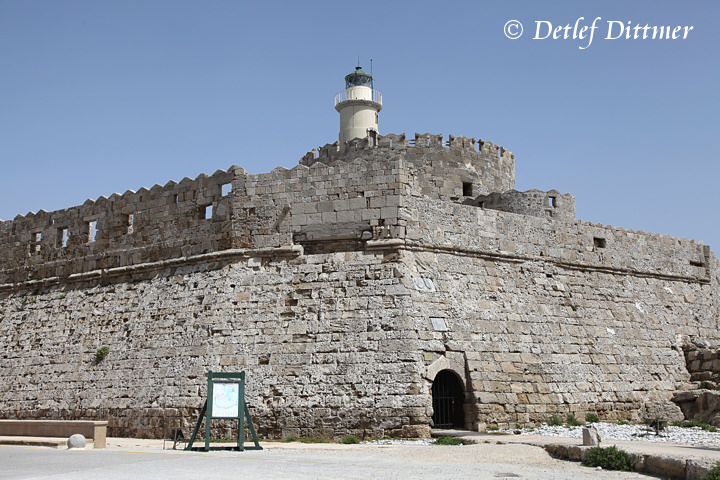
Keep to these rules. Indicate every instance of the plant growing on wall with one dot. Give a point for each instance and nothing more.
(101, 353)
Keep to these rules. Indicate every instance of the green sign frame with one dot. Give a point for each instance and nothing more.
(225, 400)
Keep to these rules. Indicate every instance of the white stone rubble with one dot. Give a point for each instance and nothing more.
(612, 431)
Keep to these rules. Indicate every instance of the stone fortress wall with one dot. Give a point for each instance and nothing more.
(343, 286)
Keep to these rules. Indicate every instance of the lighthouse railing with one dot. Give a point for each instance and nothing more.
(358, 94)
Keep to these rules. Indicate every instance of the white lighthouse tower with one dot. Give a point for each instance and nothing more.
(358, 105)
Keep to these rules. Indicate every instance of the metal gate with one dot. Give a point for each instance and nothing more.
(448, 399)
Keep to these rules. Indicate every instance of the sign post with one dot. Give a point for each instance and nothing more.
(225, 399)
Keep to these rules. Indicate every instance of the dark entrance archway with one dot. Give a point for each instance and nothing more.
(448, 398)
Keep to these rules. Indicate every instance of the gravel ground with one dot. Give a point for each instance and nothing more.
(610, 431)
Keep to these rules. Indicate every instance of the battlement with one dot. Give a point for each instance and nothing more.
(173, 220)
(356, 191)
(334, 152)
(336, 197)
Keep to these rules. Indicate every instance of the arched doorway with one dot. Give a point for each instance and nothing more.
(448, 398)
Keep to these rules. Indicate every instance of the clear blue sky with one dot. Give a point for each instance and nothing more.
(99, 97)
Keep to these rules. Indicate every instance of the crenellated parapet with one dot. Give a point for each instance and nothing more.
(448, 169)
(165, 221)
(335, 198)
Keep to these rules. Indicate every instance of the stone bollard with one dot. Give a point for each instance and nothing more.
(591, 437)
(76, 441)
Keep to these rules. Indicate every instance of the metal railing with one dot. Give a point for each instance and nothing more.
(342, 96)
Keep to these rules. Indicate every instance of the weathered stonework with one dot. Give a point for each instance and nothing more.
(343, 287)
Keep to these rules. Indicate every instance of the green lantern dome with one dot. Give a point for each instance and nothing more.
(358, 78)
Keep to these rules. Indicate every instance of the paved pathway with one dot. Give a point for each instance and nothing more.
(493, 457)
(145, 459)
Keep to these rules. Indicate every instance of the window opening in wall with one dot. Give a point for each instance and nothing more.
(62, 237)
(130, 223)
(91, 230)
(695, 263)
(175, 198)
(599, 242)
(35, 244)
(251, 212)
(552, 202)
(467, 189)
(225, 188)
(205, 212)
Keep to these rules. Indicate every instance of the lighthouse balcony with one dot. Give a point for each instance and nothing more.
(358, 93)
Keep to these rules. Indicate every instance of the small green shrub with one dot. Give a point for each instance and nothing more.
(610, 458)
(591, 418)
(697, 423)
(622, 422)
(493, 428)
(554, 421)
(350, 439)
(101, 353)
(315, 440)
(291, 438)
(448, 441)
(713, 473)
(572, 421)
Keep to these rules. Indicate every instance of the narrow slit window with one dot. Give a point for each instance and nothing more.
(205, 212)
(91, 230)
(225, 188)
(36, 240)
(130, 223)
(175, 199)
(552, 202)
(62, 237)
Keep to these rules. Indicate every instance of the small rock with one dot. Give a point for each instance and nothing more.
(598, 467)
(76, 441)
(517, 432)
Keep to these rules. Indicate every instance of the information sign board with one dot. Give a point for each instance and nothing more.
(226, 400)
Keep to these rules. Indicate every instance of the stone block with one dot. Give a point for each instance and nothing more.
(591, 437)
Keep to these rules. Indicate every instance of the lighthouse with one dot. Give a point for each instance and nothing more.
(358, 105)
